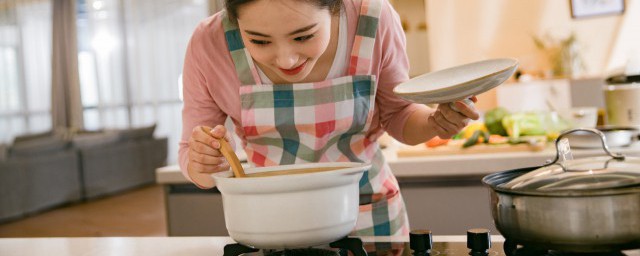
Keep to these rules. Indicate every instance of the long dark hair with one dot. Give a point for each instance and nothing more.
(232, 6)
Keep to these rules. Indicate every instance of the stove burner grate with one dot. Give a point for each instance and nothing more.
(526, 252)
(347, 244)
(515, 249)
(304, 252)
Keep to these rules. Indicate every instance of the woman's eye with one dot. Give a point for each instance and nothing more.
(303, 38)
(259, 42)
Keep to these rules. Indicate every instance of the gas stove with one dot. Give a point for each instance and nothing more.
(421, 242)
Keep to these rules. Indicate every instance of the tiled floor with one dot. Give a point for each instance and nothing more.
(138, 212)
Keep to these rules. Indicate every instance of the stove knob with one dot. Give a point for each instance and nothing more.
(479, 241)
(420, 241)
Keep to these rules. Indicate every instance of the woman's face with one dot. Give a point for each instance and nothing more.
(287, 37)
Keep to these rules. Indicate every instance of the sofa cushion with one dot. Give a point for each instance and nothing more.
(33, 136)
(38, 146)
(87, 140)
(140, 133)
(4, 152)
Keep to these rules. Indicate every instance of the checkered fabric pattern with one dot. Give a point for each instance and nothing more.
(245, 68)
(323, 122)
(309, 118)
(362, 51)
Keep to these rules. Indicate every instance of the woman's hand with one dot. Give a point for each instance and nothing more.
(447, 122)
(204, 150)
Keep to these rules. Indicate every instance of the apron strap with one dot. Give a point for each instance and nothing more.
(245, 68)
(362, 52)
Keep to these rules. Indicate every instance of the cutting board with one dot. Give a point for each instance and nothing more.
(423, 150)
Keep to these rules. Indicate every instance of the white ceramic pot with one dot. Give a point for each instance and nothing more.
(291, 211)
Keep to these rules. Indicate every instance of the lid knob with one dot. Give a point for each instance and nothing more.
(479, 241)
(420, 241)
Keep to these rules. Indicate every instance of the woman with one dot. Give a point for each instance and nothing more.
(307, 81)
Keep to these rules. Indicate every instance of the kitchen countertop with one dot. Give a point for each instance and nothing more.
(205, 246)
(449, 166)
(136, 246)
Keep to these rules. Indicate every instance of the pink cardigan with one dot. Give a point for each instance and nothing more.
(210, 83)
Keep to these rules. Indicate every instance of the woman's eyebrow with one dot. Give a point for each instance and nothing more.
(300, 30)
(303, 29)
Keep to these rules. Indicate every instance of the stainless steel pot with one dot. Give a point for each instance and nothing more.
(572, 212)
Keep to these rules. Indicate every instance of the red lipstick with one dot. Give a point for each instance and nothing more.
(294, 71)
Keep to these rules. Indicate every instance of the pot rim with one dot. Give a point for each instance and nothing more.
(617, 128)
(623, 79)
(618, 87)
(494, 181)
(346, 168)
(350, 172)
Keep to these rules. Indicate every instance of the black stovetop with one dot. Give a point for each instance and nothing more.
(442, 246)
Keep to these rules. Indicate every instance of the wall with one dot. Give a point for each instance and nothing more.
(462, 31)
(627, 41)
(413, 17)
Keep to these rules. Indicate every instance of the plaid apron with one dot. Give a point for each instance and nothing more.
(323, 122)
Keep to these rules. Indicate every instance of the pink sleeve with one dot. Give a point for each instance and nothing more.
(199, 107)
(394, 69)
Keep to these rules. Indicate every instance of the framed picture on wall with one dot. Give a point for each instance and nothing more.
(591, 8)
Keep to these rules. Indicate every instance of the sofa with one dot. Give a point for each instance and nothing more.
(43, 171)
(36, 174)
(118, 160)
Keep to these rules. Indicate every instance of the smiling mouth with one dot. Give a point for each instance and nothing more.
(295, 70)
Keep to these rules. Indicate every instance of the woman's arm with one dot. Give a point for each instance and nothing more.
(408, 122)
(202, 108)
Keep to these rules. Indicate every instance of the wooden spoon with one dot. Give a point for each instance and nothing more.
(232, 158)
(205, 180)
(230, 155)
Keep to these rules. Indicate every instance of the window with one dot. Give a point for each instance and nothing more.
(130, 60)
(130, 55)
(25, 72)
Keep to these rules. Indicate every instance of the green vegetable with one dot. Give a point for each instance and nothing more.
(526, 123)
(472, 140)
(493, 120)
(458, 136)
(475, 138)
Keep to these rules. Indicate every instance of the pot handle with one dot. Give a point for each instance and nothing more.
(617, 156)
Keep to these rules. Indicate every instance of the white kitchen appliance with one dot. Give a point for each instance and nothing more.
(622, 100)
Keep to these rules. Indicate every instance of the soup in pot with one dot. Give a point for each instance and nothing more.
(292, 171)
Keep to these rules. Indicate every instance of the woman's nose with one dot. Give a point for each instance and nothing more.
(286, 59)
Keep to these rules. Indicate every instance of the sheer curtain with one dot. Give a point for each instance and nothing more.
(25, 67)
(130, 60)
(130, 55)
(66, 109)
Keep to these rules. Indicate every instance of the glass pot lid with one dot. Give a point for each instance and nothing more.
(592, 173)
